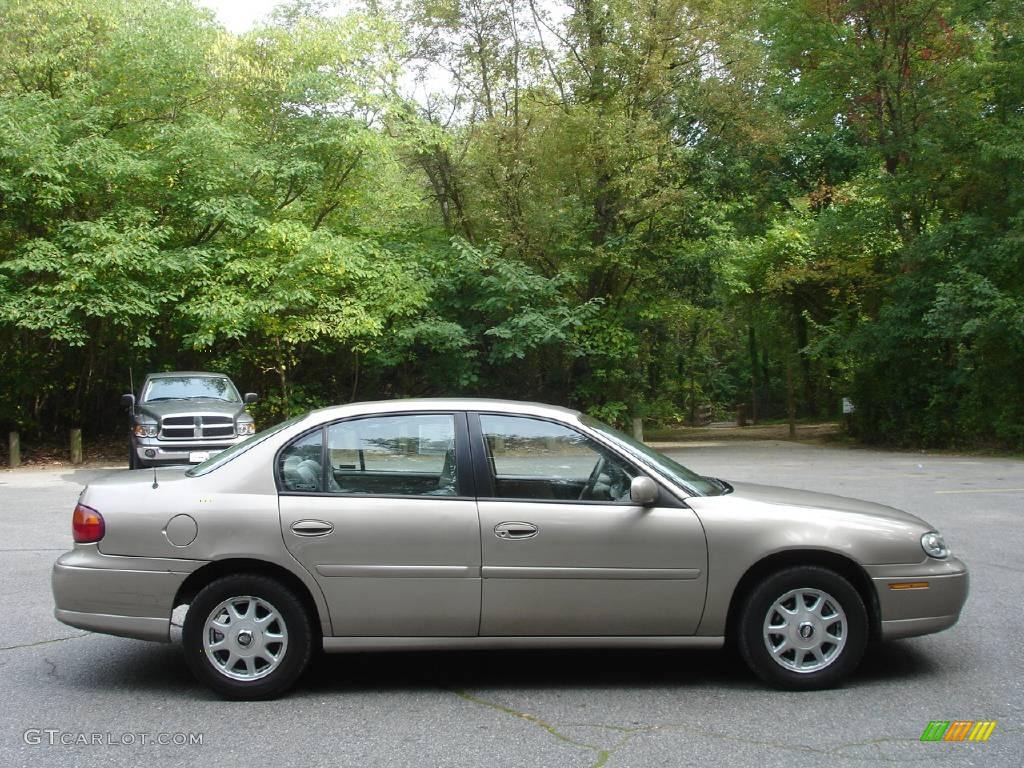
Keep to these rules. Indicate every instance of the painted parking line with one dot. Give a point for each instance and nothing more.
(983, 490)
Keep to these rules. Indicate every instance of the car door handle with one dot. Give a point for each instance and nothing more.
(312, 528)
(515, 530)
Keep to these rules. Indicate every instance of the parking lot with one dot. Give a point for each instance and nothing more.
(566, 708)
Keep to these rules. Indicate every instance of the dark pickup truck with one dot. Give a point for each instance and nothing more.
(184, 417)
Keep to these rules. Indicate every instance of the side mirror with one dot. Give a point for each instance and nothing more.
(127, 401)
(250, 398)
(643, 491)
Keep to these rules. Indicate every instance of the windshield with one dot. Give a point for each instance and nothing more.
(705, 486)
(236, 450)
(191, 388)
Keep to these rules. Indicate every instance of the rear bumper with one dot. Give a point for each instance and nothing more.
(920, 599)
(124, 596)
(138, 627)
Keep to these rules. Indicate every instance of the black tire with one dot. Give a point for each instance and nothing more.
(133, 458)
(295, 653)
(836, 659)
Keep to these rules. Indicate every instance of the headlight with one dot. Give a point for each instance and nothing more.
(146, 430)
(934, 546)
(246, 428)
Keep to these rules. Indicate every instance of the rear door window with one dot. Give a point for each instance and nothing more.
(402, 455)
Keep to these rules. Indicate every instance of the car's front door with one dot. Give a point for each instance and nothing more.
(565, 552)
(380, 510)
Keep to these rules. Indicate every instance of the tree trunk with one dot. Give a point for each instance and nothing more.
(752, 338)
(790, 398)
(806, 376)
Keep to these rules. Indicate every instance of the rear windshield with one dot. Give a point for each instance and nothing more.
(236, 450)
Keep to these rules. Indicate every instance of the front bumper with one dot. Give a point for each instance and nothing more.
(177, 451)
(124, 596)
(919, 599)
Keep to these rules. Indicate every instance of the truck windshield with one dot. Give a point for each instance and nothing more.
(191, 388)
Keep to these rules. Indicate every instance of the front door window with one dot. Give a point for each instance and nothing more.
(536, 459)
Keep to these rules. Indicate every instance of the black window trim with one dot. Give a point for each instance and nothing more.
(484, 481)
(464, 477)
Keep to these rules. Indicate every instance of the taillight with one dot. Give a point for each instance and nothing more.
(87, 525)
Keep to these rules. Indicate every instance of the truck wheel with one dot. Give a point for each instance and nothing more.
(133, 458)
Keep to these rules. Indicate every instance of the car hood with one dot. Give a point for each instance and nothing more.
(790, 497)
(157, 410)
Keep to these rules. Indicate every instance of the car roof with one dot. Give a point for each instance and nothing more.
(175, 374)
(446, 404)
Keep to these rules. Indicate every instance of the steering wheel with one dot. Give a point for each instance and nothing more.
(595, 475)
(619, 481)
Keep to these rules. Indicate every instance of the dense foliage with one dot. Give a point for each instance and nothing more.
(649, 207)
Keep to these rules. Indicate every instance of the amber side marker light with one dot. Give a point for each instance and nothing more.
(87, 525)
(909, 585)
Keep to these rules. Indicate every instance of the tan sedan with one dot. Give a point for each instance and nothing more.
(468, 523)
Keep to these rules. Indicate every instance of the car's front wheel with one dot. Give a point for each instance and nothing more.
(803, 628)
(247, 636)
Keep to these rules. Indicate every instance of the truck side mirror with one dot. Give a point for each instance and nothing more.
(127, 401)
(250, 398)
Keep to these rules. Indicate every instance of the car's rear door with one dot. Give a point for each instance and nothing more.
(564, 551)
(381, 510)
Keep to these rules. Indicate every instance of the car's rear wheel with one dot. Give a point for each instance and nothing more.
(803, 628)
(247, 636)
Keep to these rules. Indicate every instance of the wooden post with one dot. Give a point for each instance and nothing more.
(741, 414)
(638, 428)
(76, 446)
(13, 449)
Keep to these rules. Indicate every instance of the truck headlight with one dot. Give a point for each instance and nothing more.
(934, 545)
(146, 430)
(246, 428)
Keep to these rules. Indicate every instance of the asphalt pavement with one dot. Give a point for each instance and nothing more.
(113, 699)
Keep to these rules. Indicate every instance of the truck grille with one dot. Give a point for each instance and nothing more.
(218, 426)
(192, 427)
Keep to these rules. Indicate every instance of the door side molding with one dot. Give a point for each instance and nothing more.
(629, 574)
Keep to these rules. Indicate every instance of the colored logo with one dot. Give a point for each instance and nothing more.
(958, 730)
